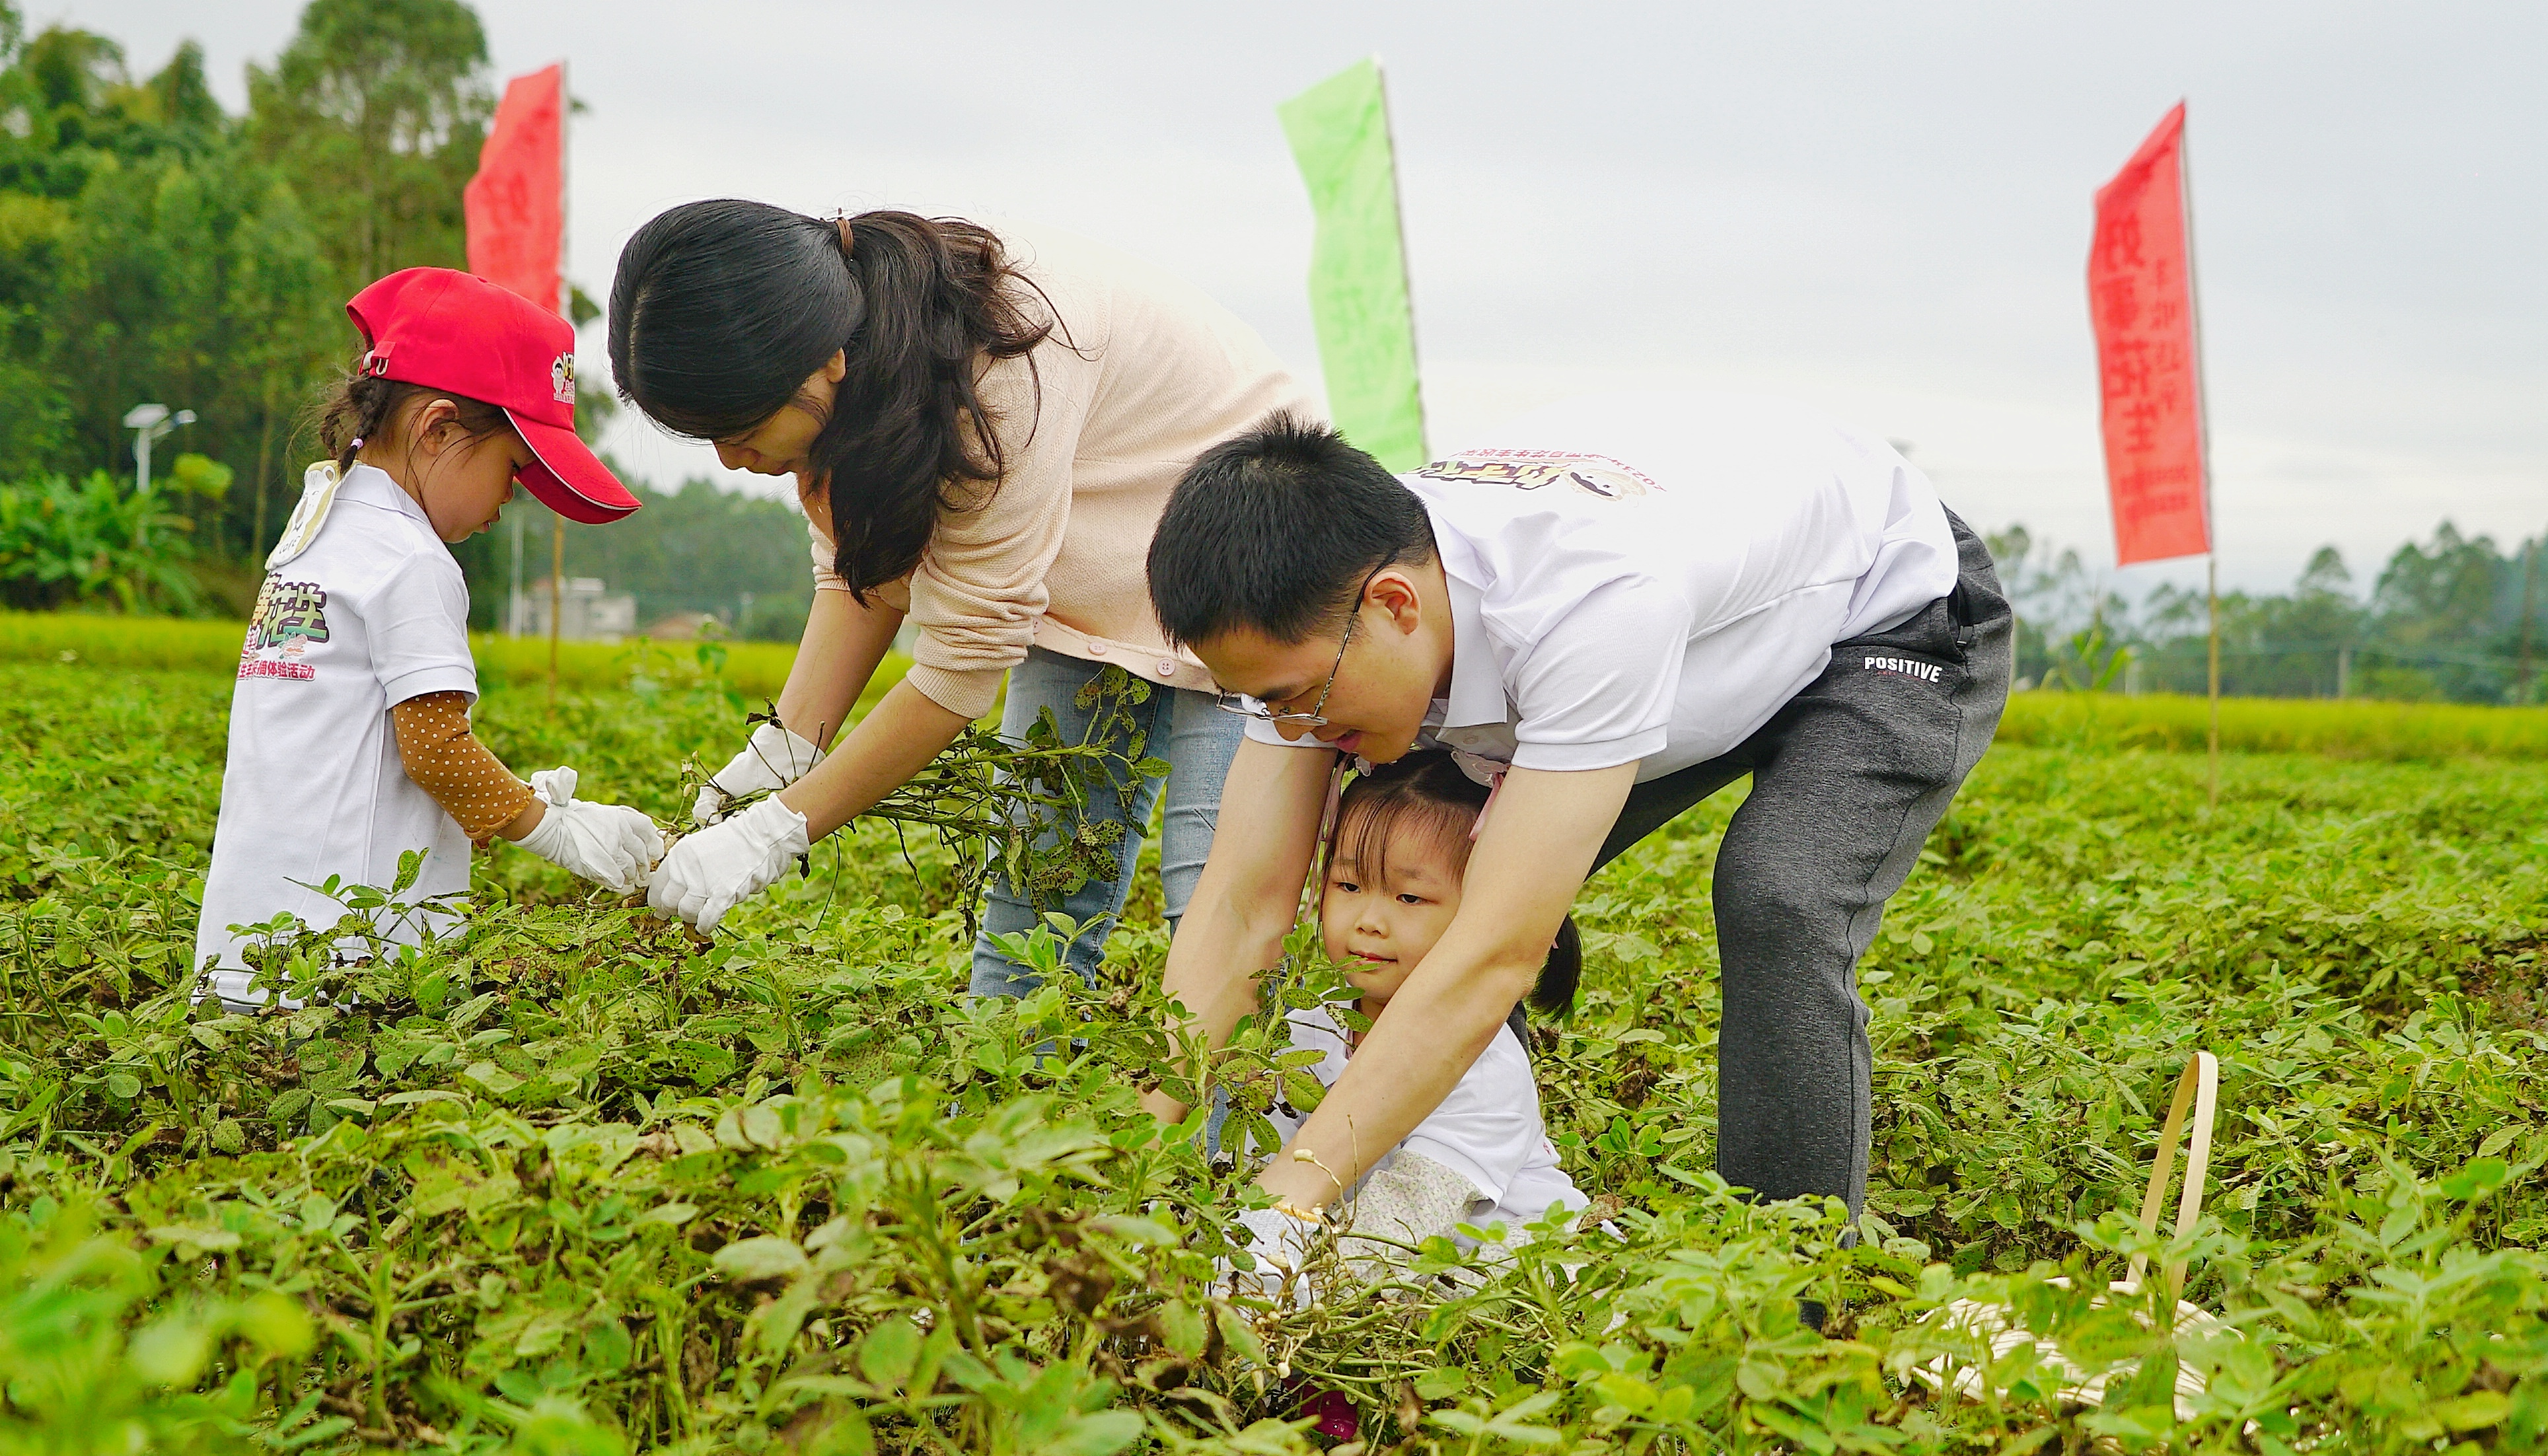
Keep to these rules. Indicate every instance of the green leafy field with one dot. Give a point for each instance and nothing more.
(572, 1183)
(756, 669)
(2352, 729)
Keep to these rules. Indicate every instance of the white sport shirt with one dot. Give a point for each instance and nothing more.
(1649, 578)
(372, 612)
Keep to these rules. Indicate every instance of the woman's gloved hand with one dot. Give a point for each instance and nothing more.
(715, 869)
(771, 760)
(611, 845)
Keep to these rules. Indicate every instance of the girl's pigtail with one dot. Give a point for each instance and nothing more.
(1554, 992)
(359, 408)
(355, 408)
(371, 397)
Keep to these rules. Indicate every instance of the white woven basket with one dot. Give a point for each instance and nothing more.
(2200, 1090)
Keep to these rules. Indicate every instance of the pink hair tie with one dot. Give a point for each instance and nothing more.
(1485, 771)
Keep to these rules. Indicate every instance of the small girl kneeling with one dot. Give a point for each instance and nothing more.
(1393, 886)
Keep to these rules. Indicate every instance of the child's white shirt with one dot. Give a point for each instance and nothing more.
(1488, 1130)
(372, 612)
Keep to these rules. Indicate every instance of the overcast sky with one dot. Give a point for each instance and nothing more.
(1884, 210)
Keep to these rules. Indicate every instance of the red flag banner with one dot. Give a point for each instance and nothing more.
(516, 204)
(2141, 298)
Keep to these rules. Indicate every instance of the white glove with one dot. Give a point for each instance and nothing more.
(1280, 1241)
(771, 759)
(611, 845)
(713, 870)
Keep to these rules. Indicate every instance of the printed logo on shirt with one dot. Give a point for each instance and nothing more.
(561, 379)
(1905, 667)
(1597, 476)
(289, 616)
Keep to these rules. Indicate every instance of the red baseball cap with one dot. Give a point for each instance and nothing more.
(452, 331)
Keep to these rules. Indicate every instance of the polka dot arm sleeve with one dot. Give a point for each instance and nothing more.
(448, 762)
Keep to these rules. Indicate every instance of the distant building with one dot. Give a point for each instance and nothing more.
(679, 626)
(590, 612)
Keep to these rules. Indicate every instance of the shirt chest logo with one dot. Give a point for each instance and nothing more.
(1596, 475)
(290, 616)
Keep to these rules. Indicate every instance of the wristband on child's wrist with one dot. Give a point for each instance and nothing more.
(1304, 1155)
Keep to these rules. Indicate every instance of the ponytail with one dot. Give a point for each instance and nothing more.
(721, 311)
(1553, 994)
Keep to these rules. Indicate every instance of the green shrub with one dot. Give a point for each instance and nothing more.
(95, 544)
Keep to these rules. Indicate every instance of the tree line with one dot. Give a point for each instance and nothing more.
(2455, 619)
(157, 246)
(154, 247)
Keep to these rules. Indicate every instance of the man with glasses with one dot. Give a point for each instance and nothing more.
(1626, 604)
(1255, 710)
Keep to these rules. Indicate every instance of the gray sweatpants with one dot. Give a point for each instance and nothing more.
(1847, 781)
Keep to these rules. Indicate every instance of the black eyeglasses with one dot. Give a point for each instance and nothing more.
(1248, 707)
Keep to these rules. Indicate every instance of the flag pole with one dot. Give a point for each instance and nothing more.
(557, 526)
(1406, 277)
(2202, 425)
(2212, 591)
(556, 597)
(513, 599)
(2530, 597)
(565, 300)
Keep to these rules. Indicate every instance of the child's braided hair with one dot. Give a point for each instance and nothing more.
(1429, 792)
(361, 408)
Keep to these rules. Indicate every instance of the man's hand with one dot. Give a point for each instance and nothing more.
(1248, 895)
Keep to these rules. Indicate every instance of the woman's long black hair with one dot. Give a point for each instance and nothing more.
(1428, 792)
(722, 310)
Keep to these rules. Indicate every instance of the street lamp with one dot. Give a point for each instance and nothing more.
(148, 423)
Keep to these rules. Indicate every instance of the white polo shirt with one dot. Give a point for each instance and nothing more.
(1488, 1130)
(371, 612)
(1649, 578)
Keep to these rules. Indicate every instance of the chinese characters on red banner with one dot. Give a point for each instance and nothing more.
(2141, 298)
(516, 204)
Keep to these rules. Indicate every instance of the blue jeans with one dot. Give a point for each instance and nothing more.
(1197, 739)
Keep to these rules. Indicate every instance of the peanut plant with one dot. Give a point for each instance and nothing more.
(571, 1181)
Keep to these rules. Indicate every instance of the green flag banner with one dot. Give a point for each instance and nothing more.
(1340, 133)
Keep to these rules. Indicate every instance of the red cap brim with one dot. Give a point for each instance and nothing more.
(568, 478)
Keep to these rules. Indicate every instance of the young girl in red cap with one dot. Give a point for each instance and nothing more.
(349, 739)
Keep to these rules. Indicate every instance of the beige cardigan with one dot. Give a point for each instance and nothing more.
(1057, 559)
